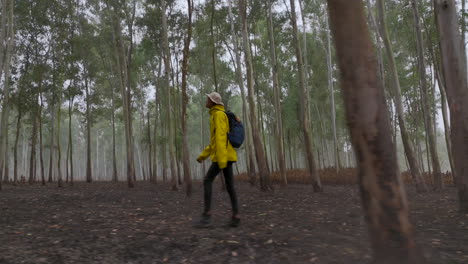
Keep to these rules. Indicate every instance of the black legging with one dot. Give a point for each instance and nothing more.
(213, 171)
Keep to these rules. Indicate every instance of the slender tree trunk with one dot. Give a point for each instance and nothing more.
(185, 149)
(150, 151)
(303, 104)
(32, 160)
(59, 150)
(443, 103)
(70, 139)
(276, 97)
(425, 100)
(213, 45)
(457, 91)
(41, 145)
(157, 116)
(167, 70)
(115, 176)
(122, 67)
(382, 192)
(9, 43)
(89, 170)
(396, 91)
(51, 145)
(15, 150)
(336, 149)
(258, 144)
(249, 157)
(4, 27)
(128, 60)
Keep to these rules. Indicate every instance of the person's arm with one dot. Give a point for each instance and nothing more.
(205, 154)
(221, 127)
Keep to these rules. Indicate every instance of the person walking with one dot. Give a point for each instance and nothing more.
(222, 155)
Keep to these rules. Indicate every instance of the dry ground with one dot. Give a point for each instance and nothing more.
(109, 223)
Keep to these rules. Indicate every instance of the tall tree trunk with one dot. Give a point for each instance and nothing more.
(89, 170)
(258, 144)
(185, 149)
(70, 139)
(302, 94)
(41, 145)
(157, 116)
(248, 146)
(457, 91)
(167, 71)
(59, 150)
(213, 45)
(10, 38)
(128, 60)
(32, 160)
(396, 91)
(122, 67)
(4, 28)
(276, 97)
(51, 145)
(382, 192)
(6, 174)
(15, 150)
(150, 151)
(336, 149)
(425, 100)
(115, 176)
(444, 106)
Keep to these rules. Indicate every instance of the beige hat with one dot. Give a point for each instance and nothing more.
(215, 98)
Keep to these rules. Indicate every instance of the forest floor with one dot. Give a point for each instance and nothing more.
(110, 223)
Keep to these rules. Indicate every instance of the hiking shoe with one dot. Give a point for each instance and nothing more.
(204, 222)
(235, 222)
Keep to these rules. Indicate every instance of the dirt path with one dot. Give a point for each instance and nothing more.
(109, 223)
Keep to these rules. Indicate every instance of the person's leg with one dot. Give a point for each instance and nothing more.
(207, 186)
(229, 178)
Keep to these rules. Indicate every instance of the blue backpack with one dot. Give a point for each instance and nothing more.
(236, 130)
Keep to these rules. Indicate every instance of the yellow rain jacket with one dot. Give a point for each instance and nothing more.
(220, 149)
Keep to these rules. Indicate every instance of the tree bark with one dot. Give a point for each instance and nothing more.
(59, 150)
(122, 67)
(167, 71)
(276, 97)
(150, 151)
(51, 145)
(258, 144)
(248, 146)
(303, 105)
(425, 100)
(15, 150)
(336, 149)
(10, 40)
(185, 149)
(457, 91)
(382, 192)
(32, 160)
(70, 139)
(396, 91)
(89, 170)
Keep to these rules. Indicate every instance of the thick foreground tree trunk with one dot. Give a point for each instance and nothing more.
(382, 192)
(457, 91)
